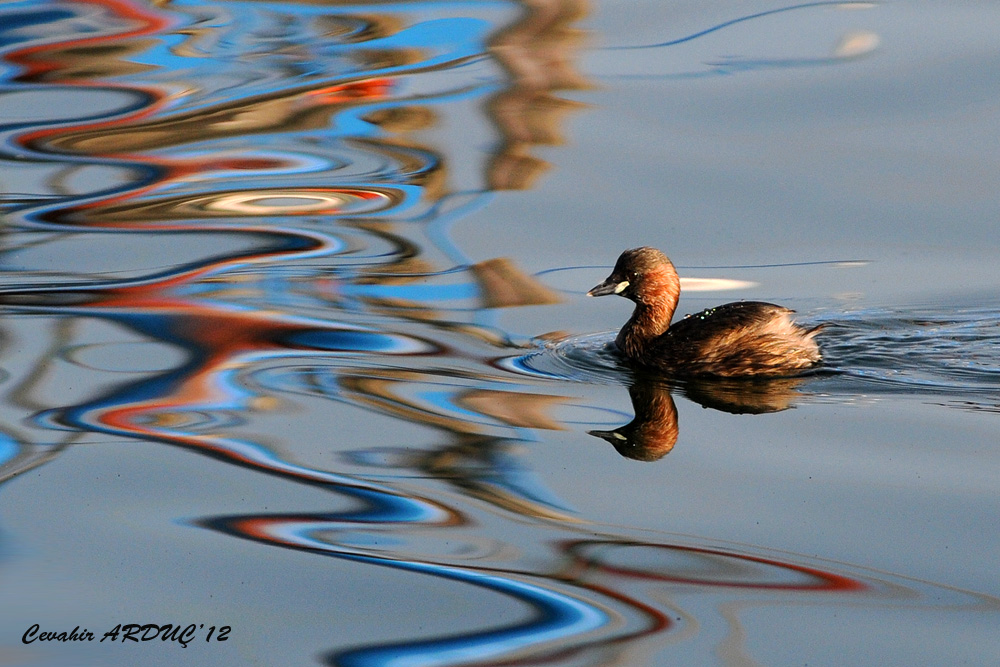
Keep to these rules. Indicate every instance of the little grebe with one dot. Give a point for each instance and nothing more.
(741, 338)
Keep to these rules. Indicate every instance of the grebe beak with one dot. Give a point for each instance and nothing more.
(609, 286)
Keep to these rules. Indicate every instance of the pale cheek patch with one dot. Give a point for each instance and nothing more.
(620, 287)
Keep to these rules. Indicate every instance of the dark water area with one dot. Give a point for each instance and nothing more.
(295, 355)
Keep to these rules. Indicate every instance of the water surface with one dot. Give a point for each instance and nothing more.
(295, 341)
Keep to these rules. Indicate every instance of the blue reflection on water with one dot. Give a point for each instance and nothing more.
(361, 342)
(8, 448)
(556, 616)
(16, 19)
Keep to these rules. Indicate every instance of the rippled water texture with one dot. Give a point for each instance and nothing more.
(294, 340)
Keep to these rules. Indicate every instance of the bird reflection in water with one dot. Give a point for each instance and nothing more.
(653, 432)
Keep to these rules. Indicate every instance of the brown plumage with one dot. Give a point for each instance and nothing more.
(740, 338)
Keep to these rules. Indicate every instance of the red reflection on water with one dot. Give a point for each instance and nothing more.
(220, 338)
(632, 617)
(817, 580)
(338, 94)
(317, 533)
(221, 341)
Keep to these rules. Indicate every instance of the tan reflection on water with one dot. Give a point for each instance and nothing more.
(467, 460)
(299, 108)
(538, 52)
(503, 285)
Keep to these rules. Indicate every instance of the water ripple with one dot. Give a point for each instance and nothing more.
(953, 354)
(584, 358)
(946, 352)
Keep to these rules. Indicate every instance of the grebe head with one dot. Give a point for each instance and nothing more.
(642, 275)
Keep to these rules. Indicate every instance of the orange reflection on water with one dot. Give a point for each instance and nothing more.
(291, 109)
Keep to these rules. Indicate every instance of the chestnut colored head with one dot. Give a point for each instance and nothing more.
(643, 275)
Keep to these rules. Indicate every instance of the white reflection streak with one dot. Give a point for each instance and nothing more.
(856, 43)
(714, 284)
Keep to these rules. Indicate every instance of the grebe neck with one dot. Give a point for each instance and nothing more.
(654, 308)
(648, 322)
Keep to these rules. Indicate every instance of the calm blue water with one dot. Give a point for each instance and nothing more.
(295, 355)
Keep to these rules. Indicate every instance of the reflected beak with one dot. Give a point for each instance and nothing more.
(609, 286)
(613, 437)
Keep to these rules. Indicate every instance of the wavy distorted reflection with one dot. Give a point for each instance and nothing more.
(607, 600)
(303, 170)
